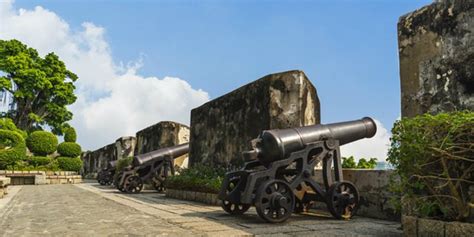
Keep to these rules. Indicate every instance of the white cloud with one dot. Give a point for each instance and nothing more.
(377, 146)
(113, 100)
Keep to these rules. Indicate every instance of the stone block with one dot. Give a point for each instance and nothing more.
(2, 172)
(454, 229)
(409, 225)
(430, 228)
(436, 50)
(222, 128)
(161, 135)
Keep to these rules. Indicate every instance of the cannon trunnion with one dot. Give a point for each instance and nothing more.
(278, 179)
(152, 168)
(106, 175)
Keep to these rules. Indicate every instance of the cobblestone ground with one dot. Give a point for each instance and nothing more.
(92, 210)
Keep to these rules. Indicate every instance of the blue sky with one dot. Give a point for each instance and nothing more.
(348, 49)
(188, 52)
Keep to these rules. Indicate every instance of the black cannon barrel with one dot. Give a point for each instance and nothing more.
(174, 152)
(279, 143)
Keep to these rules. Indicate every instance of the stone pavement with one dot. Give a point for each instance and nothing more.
(92, 210)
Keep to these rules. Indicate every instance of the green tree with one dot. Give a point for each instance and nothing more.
(41, 87)
(364, 164)
(349, 162)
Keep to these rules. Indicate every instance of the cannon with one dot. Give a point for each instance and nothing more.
(278, 176)
(106, 175)
(152, 168)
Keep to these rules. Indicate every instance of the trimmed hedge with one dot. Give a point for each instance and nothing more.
(42, 143)
(70, 135)
(69, 164)
(12, 148)
(199, 178)
(69, 149)
(8, 124)
(36, 161)
(434, 158)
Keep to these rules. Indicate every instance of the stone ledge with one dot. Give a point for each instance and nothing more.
(4, 182)
(414, 226)
(207, 198)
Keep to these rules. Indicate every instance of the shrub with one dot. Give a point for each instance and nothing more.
(42, 143)
(36, 161)
(434, 158)
(69, 149)
(199, 178)
(7, 124)
(122, 163)
(12, 148)
(70, 135)
(69, 164)
(349, 163)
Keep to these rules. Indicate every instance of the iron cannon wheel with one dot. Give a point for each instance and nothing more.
(275, 201)
(343, 200)
(230, 207)
(117, 183)
(134, 184)
(159, 179)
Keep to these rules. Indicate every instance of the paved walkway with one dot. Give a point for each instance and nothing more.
(92, 210)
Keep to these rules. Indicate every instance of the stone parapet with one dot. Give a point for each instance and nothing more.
(373, 189)
(42, 177)
(4, 183)
(222, 128)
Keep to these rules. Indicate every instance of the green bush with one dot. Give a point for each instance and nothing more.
(69, 149)
(69, 164)
(36, 161)
(12, 148)
(434, 159)
(7, 124)
(199, 178)
(70, 135)
(349, 163)
(42, 143)
(122, 163)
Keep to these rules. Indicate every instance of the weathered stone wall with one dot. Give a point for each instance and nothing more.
(160, 135)
(222, 128)
(373, 190)
(436, 50)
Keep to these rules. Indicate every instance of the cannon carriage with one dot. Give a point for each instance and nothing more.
(106, 175)
(278, 177)
(152, 168)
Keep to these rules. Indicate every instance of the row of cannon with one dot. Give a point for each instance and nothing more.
(277, 178)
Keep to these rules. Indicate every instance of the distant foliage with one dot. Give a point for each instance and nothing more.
(434, 157)
(349, 163)
(122, 163)
(42, 143)
(69, 164)
(12, 148)
(69, 149)
(70, 135)
(199, 178)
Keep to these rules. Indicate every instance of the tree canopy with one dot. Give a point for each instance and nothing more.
(41, 87)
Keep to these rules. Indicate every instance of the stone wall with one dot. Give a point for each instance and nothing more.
(160, 135)
(222, 128)
(373, 189)
(436, 50)
(4, 182)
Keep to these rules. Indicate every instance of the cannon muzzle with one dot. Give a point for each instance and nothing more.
(278, 144)
(173, 152)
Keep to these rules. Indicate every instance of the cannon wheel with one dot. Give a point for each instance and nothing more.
(159, 179)
(275, 201)
(233, 208)
(117, 182)
(133, 184)
(343, 200)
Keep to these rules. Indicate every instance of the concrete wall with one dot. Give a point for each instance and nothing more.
(160, 135)
(436, 50)
(222, 128)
